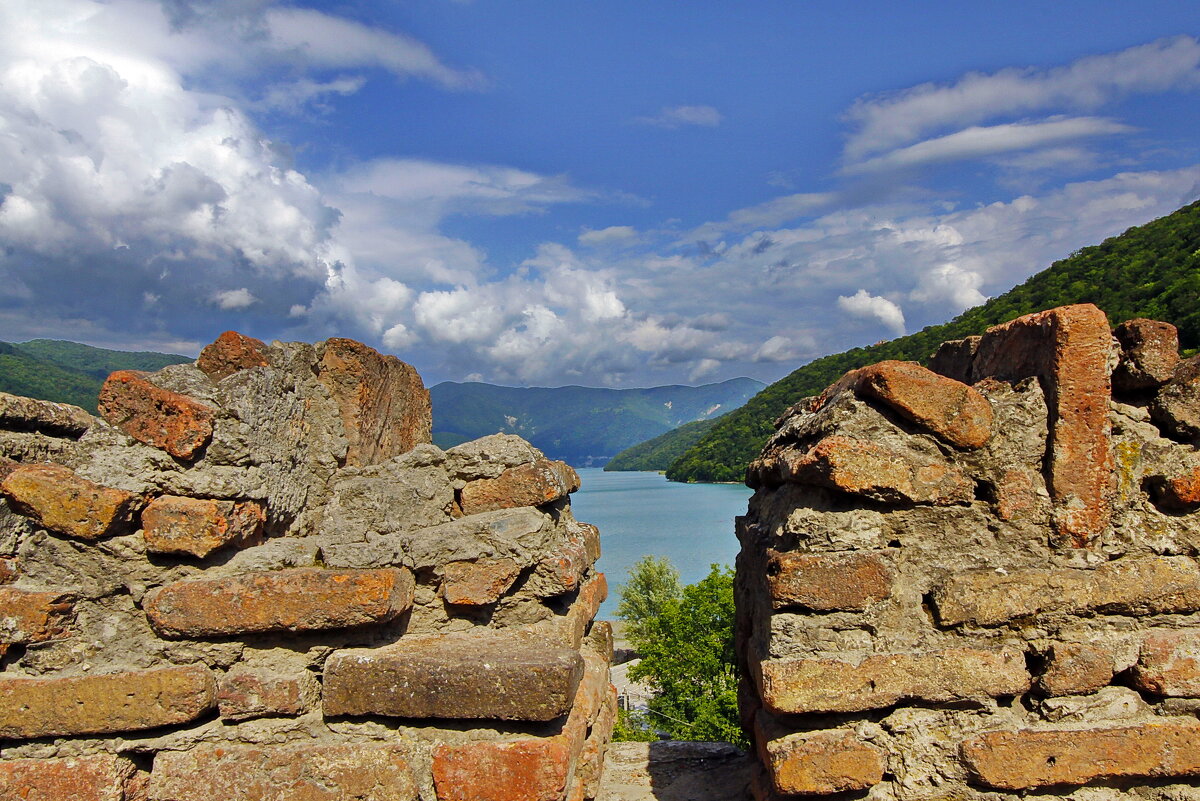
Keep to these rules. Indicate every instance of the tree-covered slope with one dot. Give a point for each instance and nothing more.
(1149, 271)
(658, 453)
(581, 425)
(68, 372)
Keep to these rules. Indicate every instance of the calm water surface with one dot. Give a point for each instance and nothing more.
(643, 513)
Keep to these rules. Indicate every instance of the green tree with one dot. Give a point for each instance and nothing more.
(688, 661)
(653, 582)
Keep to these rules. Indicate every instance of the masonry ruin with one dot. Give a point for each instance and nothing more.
(255, 579)
(979, 580)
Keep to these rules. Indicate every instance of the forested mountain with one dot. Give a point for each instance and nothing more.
(658, 453)
(1149, 271)
(68, 372)
(581, 425)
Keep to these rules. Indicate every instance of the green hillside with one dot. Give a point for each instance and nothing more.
(68, 372)
(1149, 271)
(581, 425)
(658, 453)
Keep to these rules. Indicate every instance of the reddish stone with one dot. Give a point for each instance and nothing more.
(64, 503)
(297, 599)
(104, 704)
(344, 772)
(177, 424)
(583, 611)
(1179, 493)
(1019, 760)
(832, 685)
(590, 769)
(101, 777)
(1169, 664)
(1149, 353)
(230, 353)
(532, 484)
(820, 762)
(1017, 497)
(196, 527)
(384, 404)
(1068, 350)
(244, 693)
(514, 770)
(1075, 669)
(950, 409)
(560, 572)
(478, 583)
(8, 571)
(27, 616)
(827, 582)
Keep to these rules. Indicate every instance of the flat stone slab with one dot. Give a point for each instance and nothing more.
(493, 676)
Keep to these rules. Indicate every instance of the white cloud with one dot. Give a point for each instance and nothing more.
(295, 96)
(885, 121)
(678, 116)
(958, 289)
(605, 236)
(232, 299)
(863, 304)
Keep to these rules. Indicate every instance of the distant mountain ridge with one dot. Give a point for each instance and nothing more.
(584, 426)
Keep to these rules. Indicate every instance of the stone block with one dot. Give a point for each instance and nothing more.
(101, 777)
(590, 768)
(196, 527)
(532, 484)
(531, 769)
(794, 685)
(560, 572)
(1169, 664)
(28, 616)
(64, 503)
(344, 772)
(1026, 759)
(18, 413)
(951, 410)
(244, 693)
(1017, 497)
(1076, 669)
(953, 359)
(383, 403)
(880, 473)
(104, 704)
(296, 599)
(827, 582)
(1068, 349)
(819, 762)
(489, 674)
(478, 583)
(1149, 354)
(1176, 407)
(574, 625)
(1153, 585)
(232, 352)
(175, 423)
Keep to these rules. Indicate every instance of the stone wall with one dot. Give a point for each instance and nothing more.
(255, 579)
(981, 580)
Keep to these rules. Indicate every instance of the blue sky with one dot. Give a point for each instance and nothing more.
(550, 192)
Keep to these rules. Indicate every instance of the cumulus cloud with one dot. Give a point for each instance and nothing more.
(863, 304)
(678, 116)
(235, 299)
(614, 234)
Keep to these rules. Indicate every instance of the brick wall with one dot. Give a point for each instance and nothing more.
(980, 580)
(256, 579)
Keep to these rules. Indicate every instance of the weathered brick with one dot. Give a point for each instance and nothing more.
(1068, 350)
(515, 770)
(490, 675)
(19, 413)
(230, 353)
(590, 768)
(1017, 496)
(827, 582)
(882, 680)
(28, 616)
(1075, 668)
(8, 571)
(64, 503)
(583, 611)
(819, 762)
(109, 703)
(531, 484)
(478, 583)
(560, 572)
(1179, 492)
(245, 693)
(197, 527)
(102, 777)
(383, 402)
(1127, 586)
(950, 409)
(1019, 760)
(297, 599)
(1169, 664)
(879, 473)
(1149, 353)
(349, 772)
(175, 423)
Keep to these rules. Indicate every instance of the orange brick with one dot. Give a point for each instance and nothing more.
(244, 693)
(478, 583)
(533, 769)
(1169, 664)
(175, 423)
(91, 778)
(950, 409)
(197, 527)
(532, 484)
(820, 762)
(230, 353)
(827, 582)
(1074, 669)
(27, 616)
(66, 504)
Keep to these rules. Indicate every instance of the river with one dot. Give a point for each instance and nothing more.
(643, 513)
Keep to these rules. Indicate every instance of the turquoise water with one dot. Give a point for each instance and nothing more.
(643, 513)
